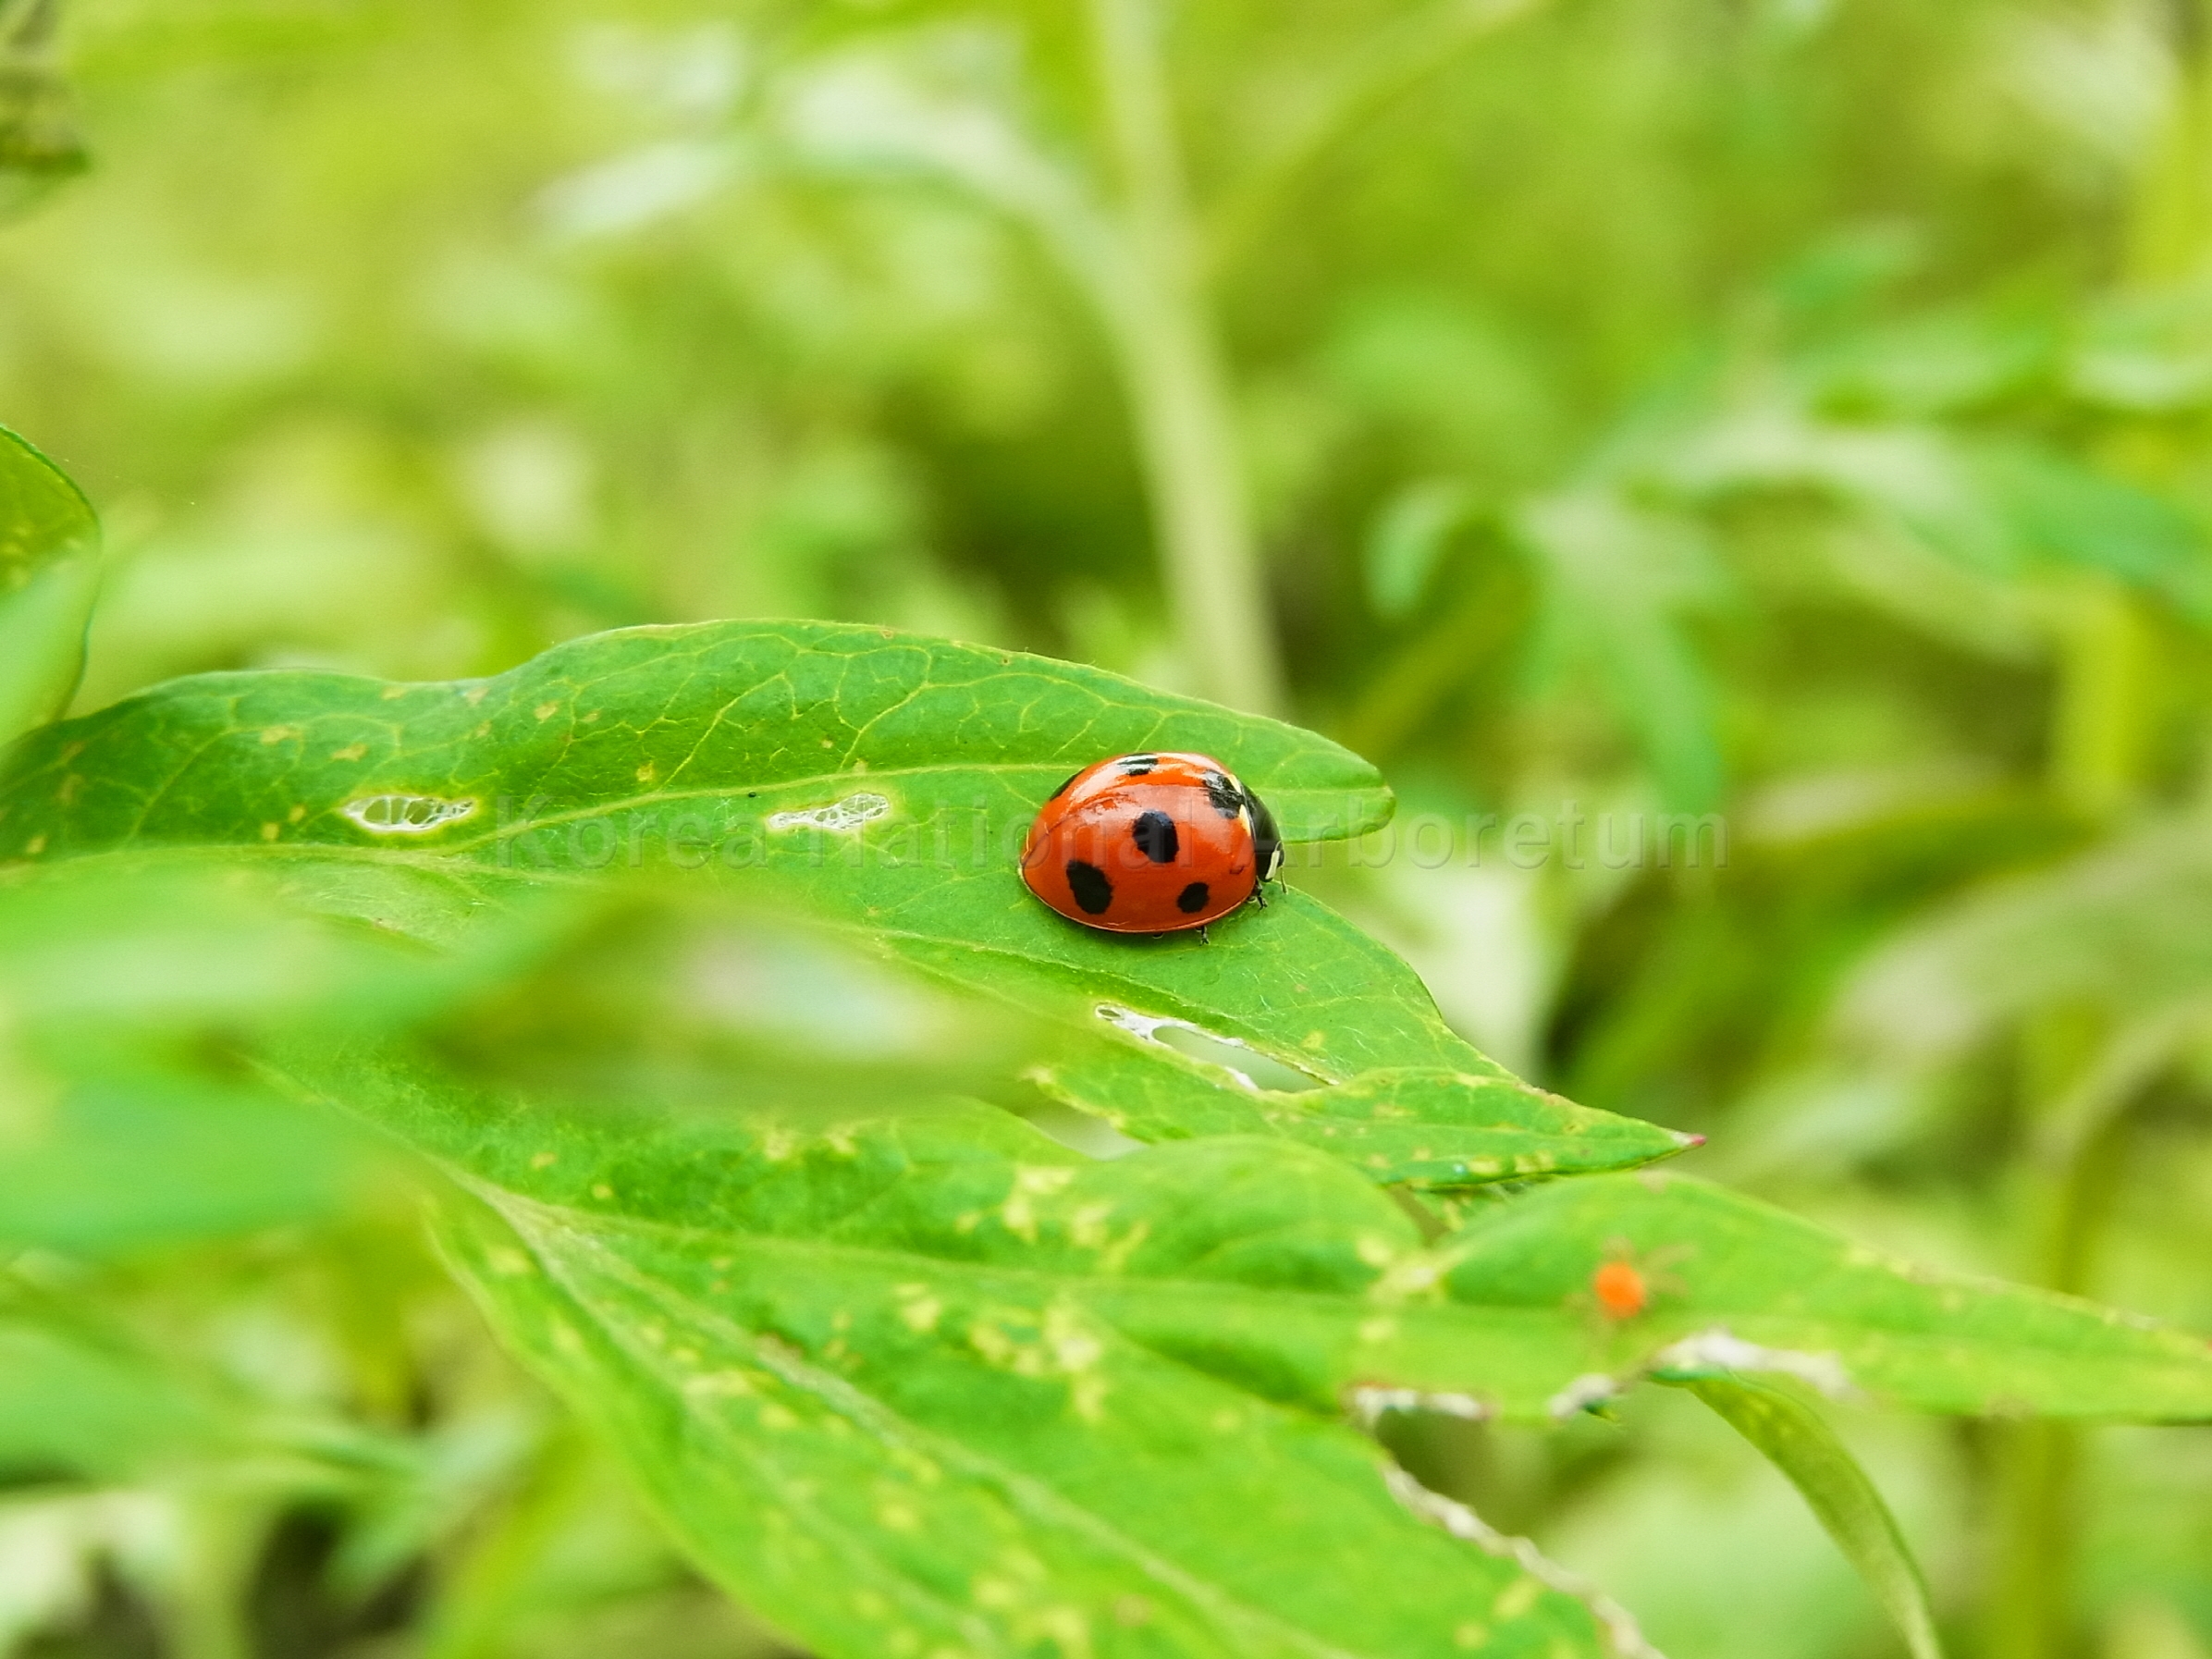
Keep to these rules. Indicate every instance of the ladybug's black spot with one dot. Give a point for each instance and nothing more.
(1221, 788)
(1192, 898)
(1154, 833)
(1090, 885)
(1136, 765)
(1063, 789)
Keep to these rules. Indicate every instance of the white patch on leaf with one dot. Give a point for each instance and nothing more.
(407, 814)
(1230, 1054)
(1370, 1404)
(1590, 1389)
(838, 818)
(1718, 1350)
(1623, 1638)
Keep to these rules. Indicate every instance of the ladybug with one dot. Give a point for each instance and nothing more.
(1156, 842)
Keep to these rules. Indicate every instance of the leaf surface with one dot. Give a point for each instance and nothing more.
(875, 1353)
(884, 1377)
(49, 574)
(1794, 1439)
(1735, 1285)
(884, 782)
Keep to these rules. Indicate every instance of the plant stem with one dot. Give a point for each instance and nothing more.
(1171, 361)
(2079, 1078)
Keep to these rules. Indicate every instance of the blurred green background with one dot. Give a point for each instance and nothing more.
(1799, 410)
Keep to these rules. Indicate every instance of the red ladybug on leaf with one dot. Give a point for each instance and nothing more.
(1156, 842)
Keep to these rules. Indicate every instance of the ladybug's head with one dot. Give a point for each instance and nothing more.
(1267, 841)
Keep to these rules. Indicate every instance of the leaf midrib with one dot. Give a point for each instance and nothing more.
(857, 780)
(1539, 1321)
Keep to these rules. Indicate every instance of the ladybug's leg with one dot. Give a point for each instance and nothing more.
(1204, 938)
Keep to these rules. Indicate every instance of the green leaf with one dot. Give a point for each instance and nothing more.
(854, 1359)
(1406, 543)
(933, 1378)
(883, 783)
(131, 1156)
(2074, 515)
(1734, 1285)
(2125, 928)
(1424, 1129)
(1794, 1438)
(49, 575)
(77, 1409)
(1619, 575)
(125, 986)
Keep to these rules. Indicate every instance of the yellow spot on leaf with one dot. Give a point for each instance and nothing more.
(351, 752)
(1115, 1256)
(546, 711)
(270, 832)
(1089, 1394)
(1517, 1598)
(718, 1385)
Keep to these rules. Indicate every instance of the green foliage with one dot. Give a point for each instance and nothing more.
(49, 573)
(918, 1375)
(882, 784)
(1790, 411)
(1791, 1434)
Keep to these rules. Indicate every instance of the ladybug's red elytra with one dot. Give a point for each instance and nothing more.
(1155, 842)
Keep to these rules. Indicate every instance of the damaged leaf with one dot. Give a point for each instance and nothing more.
(884, 782)
(933, 1380)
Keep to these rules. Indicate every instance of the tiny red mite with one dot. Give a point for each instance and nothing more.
(1155, 842)
(1619, 1289)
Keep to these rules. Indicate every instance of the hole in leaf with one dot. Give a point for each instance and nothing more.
(1239, 1059)
(1080, 1131)
(848, 814)
(406, 814)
